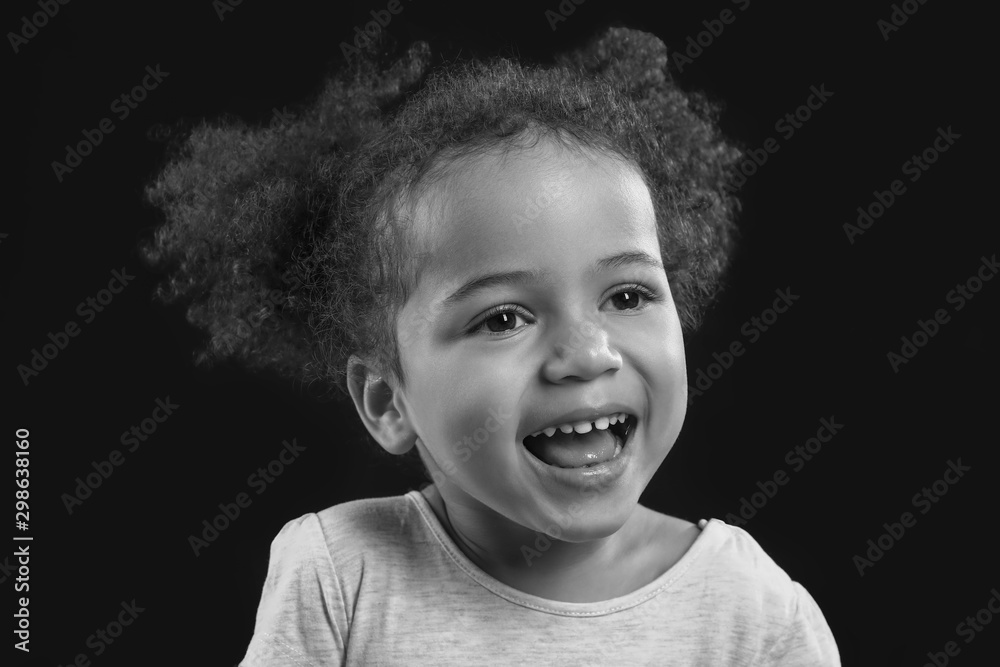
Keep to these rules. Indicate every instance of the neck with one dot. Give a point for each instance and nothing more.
(537, 564)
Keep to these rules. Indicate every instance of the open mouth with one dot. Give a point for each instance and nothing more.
(582, 444)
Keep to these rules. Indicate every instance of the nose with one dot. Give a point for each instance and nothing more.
(582, 351)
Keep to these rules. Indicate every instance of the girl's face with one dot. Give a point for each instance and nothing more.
(541, 301)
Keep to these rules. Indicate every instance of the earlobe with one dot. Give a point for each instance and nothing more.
(375, 399)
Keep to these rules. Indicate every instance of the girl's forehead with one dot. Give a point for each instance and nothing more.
(522, 187)
(531, 206)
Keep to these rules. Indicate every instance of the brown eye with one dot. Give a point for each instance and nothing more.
(626, 299)
(501, 322)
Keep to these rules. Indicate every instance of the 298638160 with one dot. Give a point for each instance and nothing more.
(21, 517)
(21, 463)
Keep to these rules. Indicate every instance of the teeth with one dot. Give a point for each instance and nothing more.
(601, 424)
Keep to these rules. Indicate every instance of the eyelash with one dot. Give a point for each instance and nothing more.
(648, 295)
(493, 312)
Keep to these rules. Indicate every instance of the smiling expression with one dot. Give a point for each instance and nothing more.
(545, 302)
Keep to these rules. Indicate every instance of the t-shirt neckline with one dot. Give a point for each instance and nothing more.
(710, 534)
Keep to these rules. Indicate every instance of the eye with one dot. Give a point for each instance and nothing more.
(632, 297)
(625, 300)
(501, 320)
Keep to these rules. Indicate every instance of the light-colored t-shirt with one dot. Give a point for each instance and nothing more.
(380, 582)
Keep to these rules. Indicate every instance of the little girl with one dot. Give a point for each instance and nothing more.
(497, 264)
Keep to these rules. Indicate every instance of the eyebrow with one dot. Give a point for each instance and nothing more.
(630, 257)
(506, 278)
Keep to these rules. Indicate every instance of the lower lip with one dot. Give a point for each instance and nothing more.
(599, 474)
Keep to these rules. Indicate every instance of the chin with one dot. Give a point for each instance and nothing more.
(589, 523)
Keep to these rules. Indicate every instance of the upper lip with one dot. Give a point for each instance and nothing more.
(588, 414)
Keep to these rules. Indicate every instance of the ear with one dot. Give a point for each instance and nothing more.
(375, 398)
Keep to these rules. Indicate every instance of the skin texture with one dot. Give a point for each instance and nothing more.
(575, 335)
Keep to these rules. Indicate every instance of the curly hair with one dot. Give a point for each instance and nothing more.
(288, 243)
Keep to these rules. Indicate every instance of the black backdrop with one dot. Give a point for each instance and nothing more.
(826, 357)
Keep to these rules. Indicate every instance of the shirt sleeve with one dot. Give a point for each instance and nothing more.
(302, 618)
(808, 640)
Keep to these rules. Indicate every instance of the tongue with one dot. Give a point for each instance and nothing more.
(573, 450)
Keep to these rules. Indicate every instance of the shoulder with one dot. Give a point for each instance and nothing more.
(749, 579)
(316, 566)
(729, 558)
(756, 592)
(739, 559)
(766, 592)
(365, 516)
(347, 531)
(339, 544)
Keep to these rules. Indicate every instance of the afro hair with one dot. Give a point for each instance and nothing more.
(285, 242)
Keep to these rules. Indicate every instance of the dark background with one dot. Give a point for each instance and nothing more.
(825, 357)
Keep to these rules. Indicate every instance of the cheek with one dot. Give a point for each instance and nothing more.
(674, 367)
(671, 382)
(668, 376)
(657, 353)
(675, 361)
(464, 410)
(659, 350)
